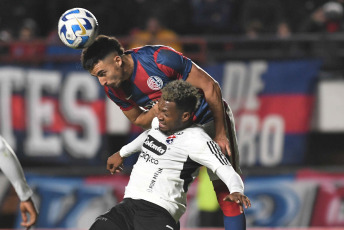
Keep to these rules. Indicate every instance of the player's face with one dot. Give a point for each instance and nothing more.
(170, 118)
(109, 71)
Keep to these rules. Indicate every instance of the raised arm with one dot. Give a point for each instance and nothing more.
(212, 92)
(12, 169)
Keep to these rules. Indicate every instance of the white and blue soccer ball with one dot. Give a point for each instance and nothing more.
(77, 28)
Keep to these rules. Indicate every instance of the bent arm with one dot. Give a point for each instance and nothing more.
(12, 169)
(231, 178)
(140, 117)
(213, 95)
(134, 146)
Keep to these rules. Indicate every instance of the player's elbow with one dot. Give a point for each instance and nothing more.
(216, 86)
(213, 88)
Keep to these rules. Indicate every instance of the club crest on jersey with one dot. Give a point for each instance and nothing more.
(154, 145)
(155, 83)
(170, 139)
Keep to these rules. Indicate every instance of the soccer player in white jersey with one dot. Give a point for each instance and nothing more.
(171, 153)
(12, 169)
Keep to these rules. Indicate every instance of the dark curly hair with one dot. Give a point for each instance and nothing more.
(183, 94)
(101, 47)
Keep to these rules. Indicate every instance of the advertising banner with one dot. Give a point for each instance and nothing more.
(302, 199)
(272, 102)
(52, 116)
(62, 116)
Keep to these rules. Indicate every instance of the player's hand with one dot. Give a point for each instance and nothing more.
(115, 163)
(223, 143)
(29, 213)
(239, 198)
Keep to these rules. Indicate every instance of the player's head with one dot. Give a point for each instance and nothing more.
(104, 60)
(101, 47)
(178, 102)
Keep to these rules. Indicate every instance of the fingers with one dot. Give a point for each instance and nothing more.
(224, 145)
(28, 210)
(228, 150)
(112, 169)
(240, 207)
(24, 218)
(115, 163)
(240, 199)
(247, 202)
(26, 223)
(244, 201)
(119, 169)
(32, 221)
(232, 198)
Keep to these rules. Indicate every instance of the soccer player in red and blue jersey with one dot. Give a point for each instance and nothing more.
(133, 79)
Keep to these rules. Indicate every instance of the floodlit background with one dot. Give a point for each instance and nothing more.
(280, 67)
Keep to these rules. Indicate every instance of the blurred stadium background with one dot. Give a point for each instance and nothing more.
(285, 85)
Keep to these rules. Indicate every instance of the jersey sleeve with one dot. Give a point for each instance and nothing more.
(134, 146)
(209, 154)
(123, 105)
(12, 169)
(172, 63)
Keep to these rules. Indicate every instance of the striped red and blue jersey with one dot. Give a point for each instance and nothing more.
(154, 67)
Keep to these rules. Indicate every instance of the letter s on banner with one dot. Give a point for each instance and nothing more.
(87, 145)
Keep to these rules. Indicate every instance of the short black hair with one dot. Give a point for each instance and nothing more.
(185, 95)
(101, 47)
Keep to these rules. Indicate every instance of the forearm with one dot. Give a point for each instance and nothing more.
(232, 179)
(140, 117)
(12, 169)
(213, 96)
(134, 146)
(144, 120)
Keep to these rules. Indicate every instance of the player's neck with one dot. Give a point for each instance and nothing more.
(186, 125)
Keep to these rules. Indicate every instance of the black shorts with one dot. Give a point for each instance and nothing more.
(133, 214)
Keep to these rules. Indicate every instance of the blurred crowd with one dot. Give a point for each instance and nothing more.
(25, 20)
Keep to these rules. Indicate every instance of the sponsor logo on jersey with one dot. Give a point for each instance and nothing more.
(154, 179)
(148, 158)
(155, 83)
(154, 145)
(170, 139)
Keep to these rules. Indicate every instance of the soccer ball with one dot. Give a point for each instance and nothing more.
(77, 28)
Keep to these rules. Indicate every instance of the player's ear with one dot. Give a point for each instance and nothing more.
(118, 61)
(186, 116)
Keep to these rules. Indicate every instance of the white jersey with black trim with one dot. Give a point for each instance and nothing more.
(168, 164)
(10, 166)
